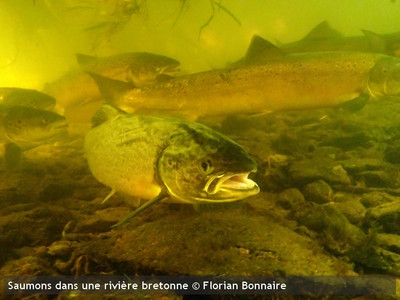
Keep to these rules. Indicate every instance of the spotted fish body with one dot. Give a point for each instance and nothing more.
(287, 82)
(145, 157)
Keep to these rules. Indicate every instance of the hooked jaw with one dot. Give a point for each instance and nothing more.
(169, 69)
(230, 187)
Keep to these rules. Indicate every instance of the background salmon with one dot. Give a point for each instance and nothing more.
(284, 82)
(78, 96)
(324, 38)
(26, 97)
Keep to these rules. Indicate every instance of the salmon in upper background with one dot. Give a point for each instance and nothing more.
(77, 94)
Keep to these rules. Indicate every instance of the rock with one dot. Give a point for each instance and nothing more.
(318, 191)
(352, 209)
(335, 231)
(288, 143)
(13, 197)
(39, 226)
(236, 123)
(55, 191)
(348, 142)
(385, 217)
(377, 258)
(28, 266)
(306, 171)
(392, 153)
(61, 248)
(390, 242)
(377, 198)
(290, 198)
(381, 178)
(356, 165)
(345, 196)
(213, 243)
(101, 221)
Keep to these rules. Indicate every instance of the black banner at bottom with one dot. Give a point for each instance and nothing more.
(201, 285)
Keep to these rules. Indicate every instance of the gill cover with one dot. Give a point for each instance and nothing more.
(384, 78)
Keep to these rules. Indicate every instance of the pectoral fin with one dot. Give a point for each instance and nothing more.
(108, 196)
(355, 104)
(160, 196)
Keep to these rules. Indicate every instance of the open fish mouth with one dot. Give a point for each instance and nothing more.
(233, 186)
(60, 125)
(169, 70)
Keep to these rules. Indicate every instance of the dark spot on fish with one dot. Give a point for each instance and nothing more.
(128, 142)
(224, 78)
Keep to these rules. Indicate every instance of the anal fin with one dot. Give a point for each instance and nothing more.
(355, 104)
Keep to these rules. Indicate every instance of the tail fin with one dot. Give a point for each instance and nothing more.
(109, 88)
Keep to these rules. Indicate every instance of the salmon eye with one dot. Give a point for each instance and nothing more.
(206, 166)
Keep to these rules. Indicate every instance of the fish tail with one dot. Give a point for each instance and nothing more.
(109, 88)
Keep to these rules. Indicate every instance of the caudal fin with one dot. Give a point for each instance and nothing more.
(111, 89)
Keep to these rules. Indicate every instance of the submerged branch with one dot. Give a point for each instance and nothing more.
(209, 19)
(228, 12)
(180, 12)
(213, 3)
(223, 8)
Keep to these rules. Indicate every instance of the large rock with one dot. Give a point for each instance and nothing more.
(390, 242)
(352, 209)
(335, 230)
(385, 217)
(215, 242)
(374, 199)
(318, 191)
(306, 171)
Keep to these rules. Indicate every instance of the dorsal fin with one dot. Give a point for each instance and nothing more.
(322, 31)
(84, 60)
(111, 89)
(377, 42)
(261, 49)
(105, 113)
